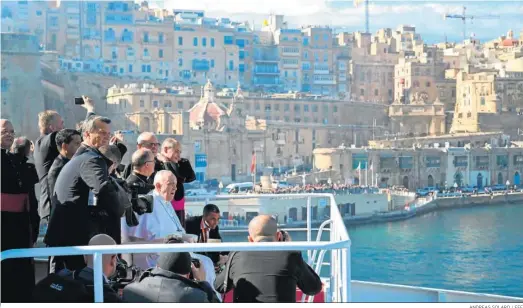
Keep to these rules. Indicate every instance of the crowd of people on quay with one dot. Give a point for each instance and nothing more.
(88, 197)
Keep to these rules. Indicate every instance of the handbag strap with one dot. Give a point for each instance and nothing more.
(227, 269)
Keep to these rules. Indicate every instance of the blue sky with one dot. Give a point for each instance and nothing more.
(427, 16)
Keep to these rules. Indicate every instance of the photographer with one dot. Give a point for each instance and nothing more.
(267, 276)
(78, 286)
(170, 281)
(143, 167)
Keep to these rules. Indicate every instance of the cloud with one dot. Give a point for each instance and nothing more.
(427, 16)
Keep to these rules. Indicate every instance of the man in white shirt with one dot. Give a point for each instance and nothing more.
(161, 224)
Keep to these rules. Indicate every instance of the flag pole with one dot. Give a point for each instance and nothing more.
(367, 173)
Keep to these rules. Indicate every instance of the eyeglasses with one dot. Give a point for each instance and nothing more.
(149, 144)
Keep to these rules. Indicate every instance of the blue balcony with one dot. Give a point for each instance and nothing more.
(266, 81)
(118, 6)
(433, 162)
(119, 19)
(200, 65)
(266, 70)
(240, 43)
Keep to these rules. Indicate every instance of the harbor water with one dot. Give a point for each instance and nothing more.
(474, 249)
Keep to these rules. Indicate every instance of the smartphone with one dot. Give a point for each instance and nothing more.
(78, 101)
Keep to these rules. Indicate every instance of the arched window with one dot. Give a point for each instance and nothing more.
(500, 179)
(146, 52)
(109, 35)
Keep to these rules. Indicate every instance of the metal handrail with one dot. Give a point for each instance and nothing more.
(339, 244)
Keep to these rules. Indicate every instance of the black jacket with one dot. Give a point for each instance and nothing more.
(182, 170)
(70, 223)
(184, 174)
(192, 226)
(57, 166)
(268, 277)
(45, 152)
(86, 277)
(135, 178)
(160, 286)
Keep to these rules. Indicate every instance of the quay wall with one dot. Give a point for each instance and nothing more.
(456, 202)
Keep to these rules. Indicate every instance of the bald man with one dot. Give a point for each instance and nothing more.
(20, 220)
(267, 276)
(45, 292)
(146, 140)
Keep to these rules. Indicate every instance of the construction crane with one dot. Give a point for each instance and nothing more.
(356, 3)
(464, 18)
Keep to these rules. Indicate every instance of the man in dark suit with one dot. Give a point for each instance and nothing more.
(267, 276)
(67, 142)
(206, 227)
(45, 151)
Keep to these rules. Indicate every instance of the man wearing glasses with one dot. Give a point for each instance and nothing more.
(143, 162)
(147, 141)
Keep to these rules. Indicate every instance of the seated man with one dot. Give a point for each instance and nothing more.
(159, 225)
(78, 286)
(267, 276)
(170, 282)
(207, 229)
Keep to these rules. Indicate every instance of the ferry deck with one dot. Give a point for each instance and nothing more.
(335, 253)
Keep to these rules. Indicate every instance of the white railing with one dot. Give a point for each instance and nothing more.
(339, 244)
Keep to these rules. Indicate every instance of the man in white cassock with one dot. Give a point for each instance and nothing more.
(159, 225)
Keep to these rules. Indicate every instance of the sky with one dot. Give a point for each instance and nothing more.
(426, 16)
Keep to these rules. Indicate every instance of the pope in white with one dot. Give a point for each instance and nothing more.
(157, 226)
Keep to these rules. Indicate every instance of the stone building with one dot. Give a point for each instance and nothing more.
(22, 94)
(416, 168)
(282, 131)
(489, 101)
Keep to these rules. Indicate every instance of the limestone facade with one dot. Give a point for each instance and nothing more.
(425, 167)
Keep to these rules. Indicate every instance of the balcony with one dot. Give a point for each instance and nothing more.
(280, 142)
(200, 65)
(291, 65)
(321, 70)
(291, 53)
(324, 80)
(263, 71)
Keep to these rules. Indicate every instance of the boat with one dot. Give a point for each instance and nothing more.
(338, 285)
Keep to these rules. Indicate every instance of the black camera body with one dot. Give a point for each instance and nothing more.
(119, 280)
(141, 204)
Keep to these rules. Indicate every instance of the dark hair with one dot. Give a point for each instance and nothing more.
(65, 136)
(173, 239)
(21, 146)
(210, 208)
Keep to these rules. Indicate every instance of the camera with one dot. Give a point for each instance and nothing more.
(119, 280)
(140, 204)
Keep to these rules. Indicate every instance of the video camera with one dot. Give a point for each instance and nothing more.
(141, 204)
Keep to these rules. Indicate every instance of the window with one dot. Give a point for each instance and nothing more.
(130, 68)
(168, 104)
(482, 101)
(160, 38)
(325, 108)
(227, 40)
(146, 37)
(146, 52)
(286, 107)
(212, 62)
(180, 62)
(427, 84)
(257, 106)
(362, 92)
(180, 41)
(314, 108)
(212, 42)
(276, 107)
(297, 108)
(180, 105)
(195, 42)
(335, 109)
(38, 13)
(231, 65)
(305, 108)
(142, 103)
(5, 84)
(376, 92)
(160, 53)
(204, 42)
